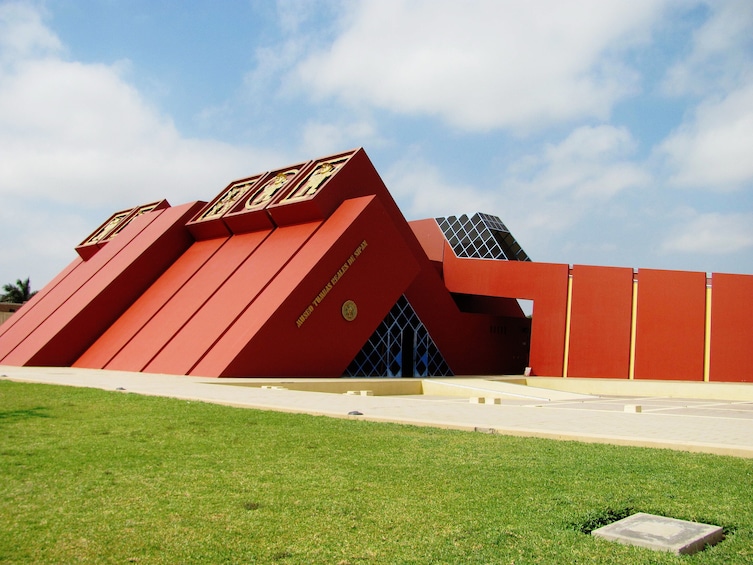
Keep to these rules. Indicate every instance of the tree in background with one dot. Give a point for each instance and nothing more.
(17, 293)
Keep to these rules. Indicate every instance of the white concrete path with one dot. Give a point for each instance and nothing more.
(711, 426)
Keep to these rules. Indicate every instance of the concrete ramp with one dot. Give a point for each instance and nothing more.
(496, 389)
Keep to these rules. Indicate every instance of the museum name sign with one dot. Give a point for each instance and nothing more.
(331, 283)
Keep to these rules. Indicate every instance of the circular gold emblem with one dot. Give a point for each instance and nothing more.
(349, 310)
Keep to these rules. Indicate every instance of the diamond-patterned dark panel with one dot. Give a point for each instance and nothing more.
(481, 236)
(382, 355)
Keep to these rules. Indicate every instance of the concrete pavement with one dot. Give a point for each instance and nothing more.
(702, 422)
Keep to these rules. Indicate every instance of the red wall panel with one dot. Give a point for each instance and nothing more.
(731, 328)
(600, 316)
(430, 237)
(148, 304)
(214, 317)
(544, 283)
(296, 325)
(471, 343)
(670, 325)
(56, 295)
(180, 308)
(39, 299)
(96, 304)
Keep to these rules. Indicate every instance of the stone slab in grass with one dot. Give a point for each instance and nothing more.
(662, 534)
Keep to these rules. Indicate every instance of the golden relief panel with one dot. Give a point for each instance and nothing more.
(316, 178)
(106, 228)
(141, 211)
(227, 200)
(270, 189)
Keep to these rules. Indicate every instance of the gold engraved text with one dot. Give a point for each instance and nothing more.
(319, 298)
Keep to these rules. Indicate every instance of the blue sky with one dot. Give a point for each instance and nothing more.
(607, 133)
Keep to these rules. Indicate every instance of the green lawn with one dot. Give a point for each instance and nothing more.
(108, 477)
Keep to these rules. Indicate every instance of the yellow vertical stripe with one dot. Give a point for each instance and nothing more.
(707, 337)
(567, 324)
(633, 324)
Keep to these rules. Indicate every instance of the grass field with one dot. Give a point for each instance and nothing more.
(90, 476)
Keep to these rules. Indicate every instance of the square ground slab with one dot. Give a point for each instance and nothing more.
(660, 533)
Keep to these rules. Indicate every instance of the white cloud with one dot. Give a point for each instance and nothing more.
(78, 142)
(592, 162)
(711, 233)
(712, 148)
(74, 132)
(540, 197)
(421, 191)
(720, 53)
(484, 64)
(23, 34)
(293, 14)
(556, 198)
(323, 138)
(43, 241)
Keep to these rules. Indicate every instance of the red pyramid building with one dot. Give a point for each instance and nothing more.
(312, 270)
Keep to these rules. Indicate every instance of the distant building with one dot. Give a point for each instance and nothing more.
(7, 309)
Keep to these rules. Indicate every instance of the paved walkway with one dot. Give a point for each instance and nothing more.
(710, 426)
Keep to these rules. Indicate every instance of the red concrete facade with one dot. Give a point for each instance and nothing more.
(306, 270)
(600, 322)
(731, 343)
(61, 323)
(544, 283)
(670, 325)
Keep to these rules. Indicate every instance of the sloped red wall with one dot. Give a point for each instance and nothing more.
(228, 301)
(148, 305)
(71, 316)
(181, 307)
(296, 324)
